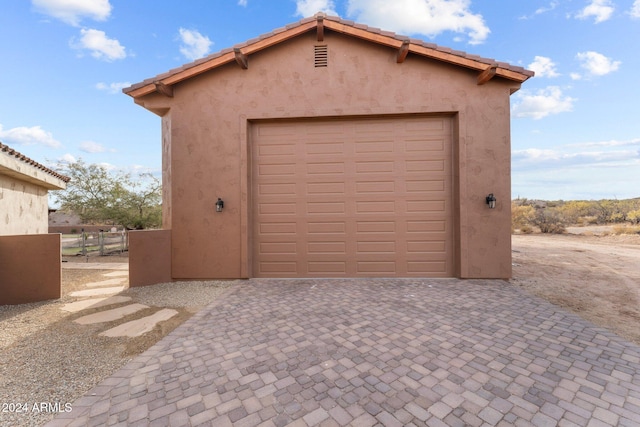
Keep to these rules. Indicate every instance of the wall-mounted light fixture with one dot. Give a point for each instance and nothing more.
(219, 205)
(491, 201)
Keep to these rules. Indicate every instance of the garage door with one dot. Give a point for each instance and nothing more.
(367, 197)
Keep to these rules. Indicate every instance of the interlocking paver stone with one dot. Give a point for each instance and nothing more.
(367, 352)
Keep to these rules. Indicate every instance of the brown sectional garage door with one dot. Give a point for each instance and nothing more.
(366, 197)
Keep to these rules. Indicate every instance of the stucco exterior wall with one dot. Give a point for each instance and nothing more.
(206, 143)
(149, 257)
(23, 207)
(29, 268)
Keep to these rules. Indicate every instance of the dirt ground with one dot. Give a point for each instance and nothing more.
(595, 276)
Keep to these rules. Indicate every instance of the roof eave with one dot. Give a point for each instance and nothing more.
(322, 23)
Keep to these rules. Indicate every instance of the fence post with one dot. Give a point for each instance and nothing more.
(84, 243)
(101, 242)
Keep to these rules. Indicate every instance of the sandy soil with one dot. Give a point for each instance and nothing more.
(595, 276)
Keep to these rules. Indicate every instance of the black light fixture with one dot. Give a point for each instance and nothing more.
(491, 201)
(219, 205)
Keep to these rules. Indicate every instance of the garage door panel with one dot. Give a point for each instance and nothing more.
(425, 206)
(277, 209)
(426, 246)
(377, 167)
(325, 168)
(326, 188)
(375, 207)
(430, 146)
(382, 146)
(328, 247)
(438, 165)
(325, 148)
(427, 267)
(277, 228)
(278, 247)
(425, 186)
(378, 268)
(353, 198)
(287, 268)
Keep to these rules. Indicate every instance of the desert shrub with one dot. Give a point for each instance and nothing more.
(526, 229)
(521, 216)
(634, 216)
(549, 221)
(626, 229)
(574, 210)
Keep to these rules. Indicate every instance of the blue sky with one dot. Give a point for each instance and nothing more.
(575, 126)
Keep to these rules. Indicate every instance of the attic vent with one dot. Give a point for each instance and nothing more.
(321, 56)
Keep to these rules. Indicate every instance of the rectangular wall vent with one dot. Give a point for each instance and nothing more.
(321, 56)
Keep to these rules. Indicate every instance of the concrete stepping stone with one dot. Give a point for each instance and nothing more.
(110, 315)
(97, 291)
(116, 274)
(108, 282)
(74, 307)
(138, 327)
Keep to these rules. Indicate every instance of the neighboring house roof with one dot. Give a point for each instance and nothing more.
(487, 68)
(19, 166)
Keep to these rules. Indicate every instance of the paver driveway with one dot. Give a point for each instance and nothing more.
(367, 352)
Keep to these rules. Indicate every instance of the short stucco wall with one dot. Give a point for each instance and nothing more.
(30, 268)
(149, 257)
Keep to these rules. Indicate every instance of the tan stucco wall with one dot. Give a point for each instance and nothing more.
(29, 268)
(206, 146)
(23, 207)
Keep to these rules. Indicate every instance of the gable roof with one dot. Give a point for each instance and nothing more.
(487, 68)
(19, 166)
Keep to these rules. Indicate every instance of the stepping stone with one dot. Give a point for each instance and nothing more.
(138, 327)
(97, 291)
(110, 315)
(109, 282)
(116, 274)
(96, 265)
(74, 307)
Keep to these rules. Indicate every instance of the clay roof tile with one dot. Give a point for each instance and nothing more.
(374, 31)
(11, 152)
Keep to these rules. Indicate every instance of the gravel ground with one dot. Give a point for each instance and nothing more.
(46, 358)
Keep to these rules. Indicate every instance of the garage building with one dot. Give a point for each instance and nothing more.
(338, 150)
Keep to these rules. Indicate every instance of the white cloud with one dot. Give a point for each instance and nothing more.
(72, 11)
(596, 63)
(635, 9)
(544, 102)
(306, 8)
(242, 3)
(546, 9)
(34, 135)
(541, 10)
(601, 10)
(194, 45)
(101, 46)
(585, 170)
(543, 67)
(112, 88)
(427, 17)
(92, 147)
(589, 154)
(67, 159)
